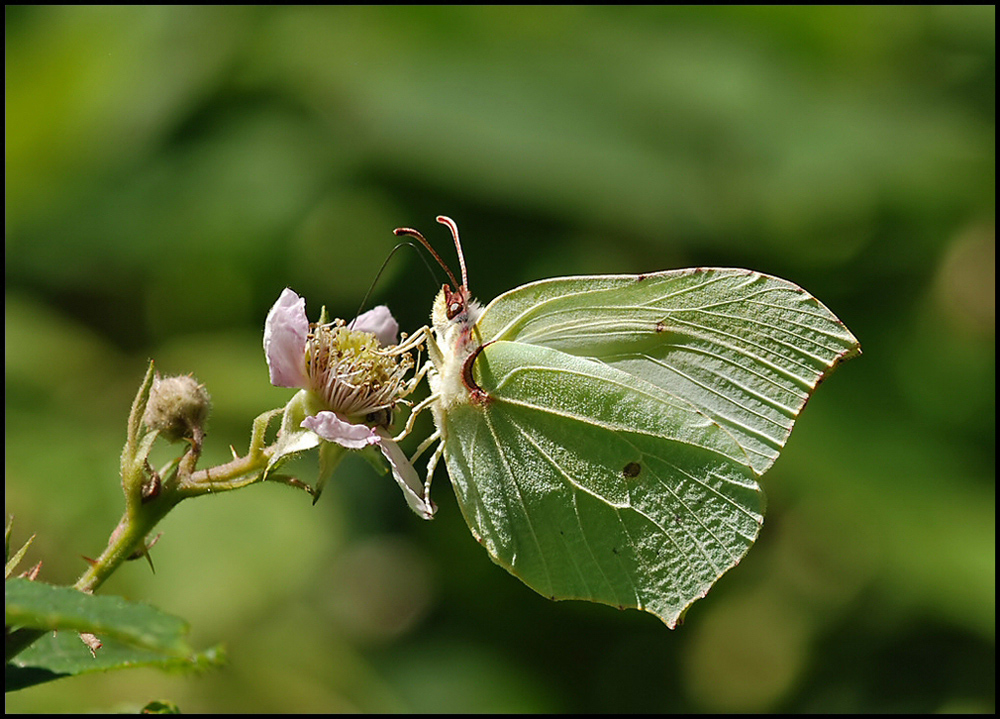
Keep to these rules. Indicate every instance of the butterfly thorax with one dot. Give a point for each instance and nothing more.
(453, 318)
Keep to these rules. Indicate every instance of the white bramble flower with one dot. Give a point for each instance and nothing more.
(346, 368)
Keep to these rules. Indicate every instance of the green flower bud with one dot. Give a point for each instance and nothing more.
(177, 407)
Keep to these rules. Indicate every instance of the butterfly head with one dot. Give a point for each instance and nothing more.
(454, 308)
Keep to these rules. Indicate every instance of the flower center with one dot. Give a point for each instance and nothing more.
(351, 373)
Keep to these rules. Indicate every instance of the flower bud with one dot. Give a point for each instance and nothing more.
(177, 406)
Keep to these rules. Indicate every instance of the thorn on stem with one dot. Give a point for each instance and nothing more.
(144, 552)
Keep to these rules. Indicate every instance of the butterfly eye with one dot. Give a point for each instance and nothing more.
(456, 301)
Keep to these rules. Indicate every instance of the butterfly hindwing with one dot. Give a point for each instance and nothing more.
(589, 483)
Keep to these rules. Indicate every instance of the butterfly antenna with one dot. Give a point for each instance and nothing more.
(450, 223)
(381, 269)
(400, 231)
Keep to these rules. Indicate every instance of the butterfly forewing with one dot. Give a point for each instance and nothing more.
(744, 349)
(590, 483)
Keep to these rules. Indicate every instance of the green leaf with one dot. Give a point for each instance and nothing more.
(38, 605)
(62, 654)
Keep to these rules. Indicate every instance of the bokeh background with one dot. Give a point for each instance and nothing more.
(169, 170)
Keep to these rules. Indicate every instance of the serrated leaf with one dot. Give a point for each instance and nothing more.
(42, 606)
(62, 654)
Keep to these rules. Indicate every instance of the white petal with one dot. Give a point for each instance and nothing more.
(333, 429)
(285, 333)
(380, 322)
(406, 477)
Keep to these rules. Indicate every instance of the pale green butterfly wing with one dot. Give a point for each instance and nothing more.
(590, 484)
(627, 419)
(745, 348)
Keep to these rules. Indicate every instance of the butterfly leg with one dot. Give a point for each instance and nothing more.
(421, 406)
(424, 445)
(414, 341)
(412, 383)
(431, 465)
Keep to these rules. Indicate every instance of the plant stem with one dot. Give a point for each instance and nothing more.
(127, 539)
(129, 536)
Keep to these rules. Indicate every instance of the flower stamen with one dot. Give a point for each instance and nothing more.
(351, 373)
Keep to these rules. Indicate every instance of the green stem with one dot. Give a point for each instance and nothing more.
(130, 535)
(234, 474)
(128, 538)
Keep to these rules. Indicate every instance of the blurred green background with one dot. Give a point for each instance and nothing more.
(169, 170)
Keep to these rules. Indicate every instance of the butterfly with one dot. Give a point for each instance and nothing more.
(605, 434)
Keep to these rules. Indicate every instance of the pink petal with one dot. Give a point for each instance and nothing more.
(380, 322)
(406, 477)
(333, 429)
(285, 333)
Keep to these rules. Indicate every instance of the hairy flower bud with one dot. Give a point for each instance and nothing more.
(177, 406)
